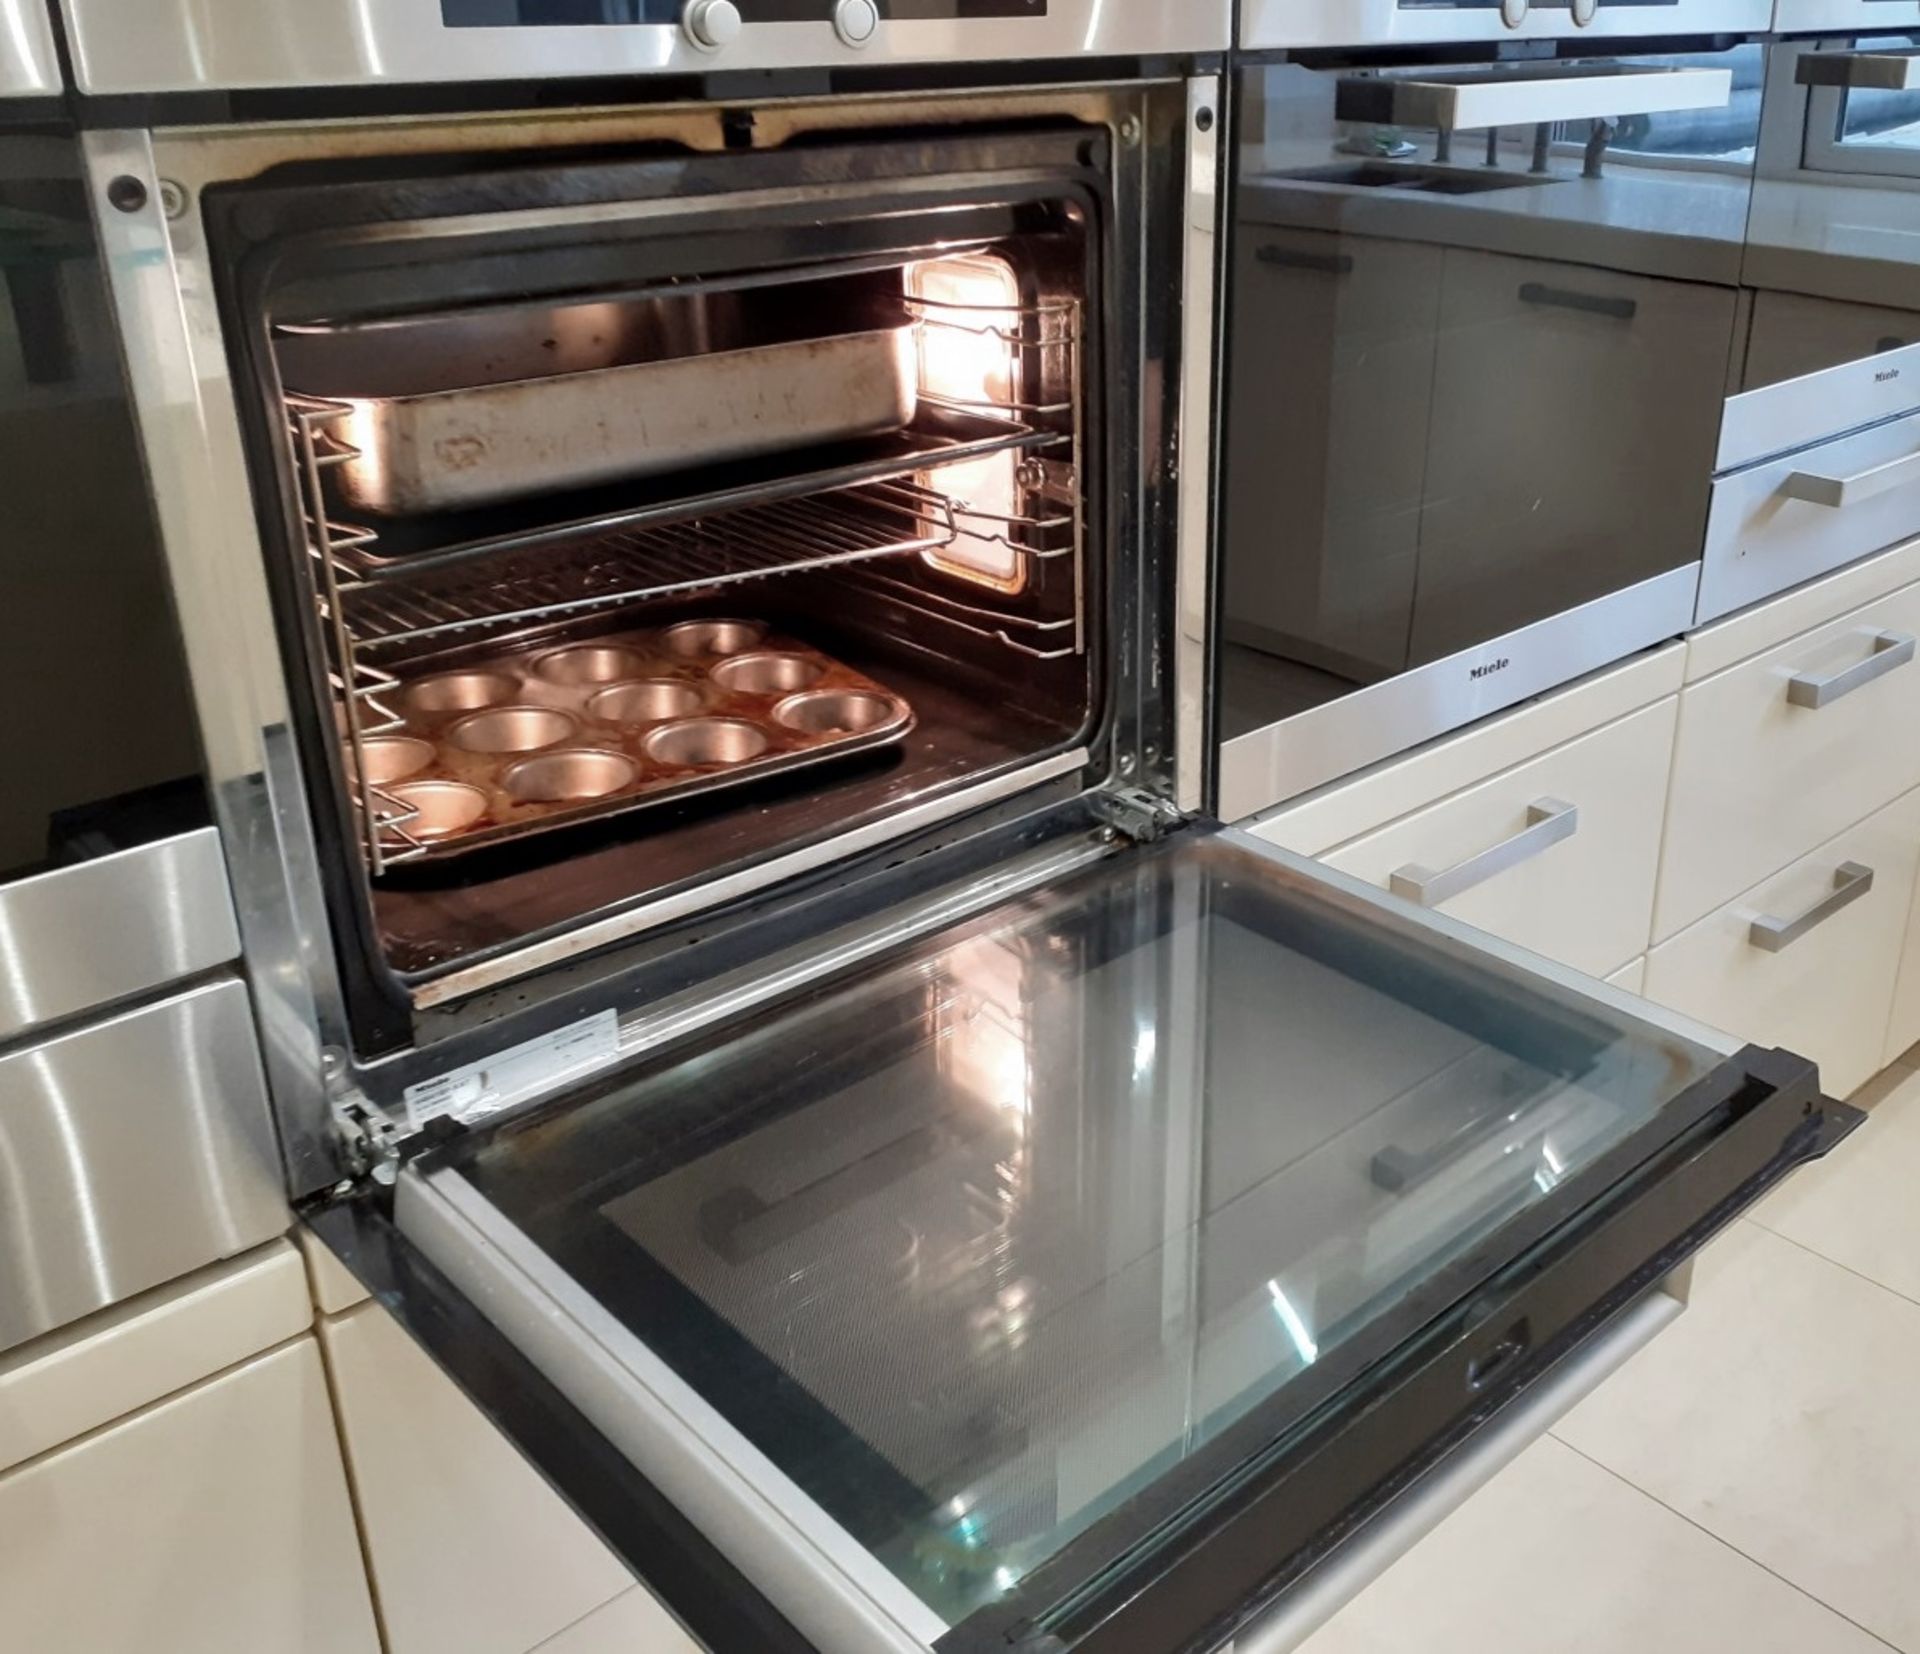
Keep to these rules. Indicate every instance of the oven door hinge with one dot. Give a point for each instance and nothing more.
(370, 1143)
(1140, 815)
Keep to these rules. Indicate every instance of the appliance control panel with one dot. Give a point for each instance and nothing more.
(716, 23)
(198, 45)
(1278, 25)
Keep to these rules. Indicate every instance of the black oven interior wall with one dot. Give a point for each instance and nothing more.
(875, 379)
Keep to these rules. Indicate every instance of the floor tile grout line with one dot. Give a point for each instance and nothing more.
(1727, 1544)
(1815, 1252)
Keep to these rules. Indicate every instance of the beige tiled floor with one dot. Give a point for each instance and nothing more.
(1749, 1482)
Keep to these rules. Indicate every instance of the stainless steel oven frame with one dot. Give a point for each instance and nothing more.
(334, 1108)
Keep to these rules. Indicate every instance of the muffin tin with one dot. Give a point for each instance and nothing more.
(540, 738)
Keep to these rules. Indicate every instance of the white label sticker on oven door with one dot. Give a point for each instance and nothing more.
(482, 1088)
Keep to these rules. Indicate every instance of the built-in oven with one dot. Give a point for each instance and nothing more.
(1819, 458)
(1540, 352)
(1484, 311)
(698, 606)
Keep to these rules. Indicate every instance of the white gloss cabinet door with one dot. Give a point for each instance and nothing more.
(216, 1522)
(1585, 897)
(1759, 780)
(1826, 990)
(470, 1551)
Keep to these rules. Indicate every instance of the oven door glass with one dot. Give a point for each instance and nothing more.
(1464, 303)
(1024, 1278)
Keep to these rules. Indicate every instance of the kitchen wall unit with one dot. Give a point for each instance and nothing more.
(1746, 838)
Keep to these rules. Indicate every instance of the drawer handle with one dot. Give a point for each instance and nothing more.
(1549, 820)
(1890, 649)
(1287, 258)
(1817, 488)
(1598, 304)
(1851, 881)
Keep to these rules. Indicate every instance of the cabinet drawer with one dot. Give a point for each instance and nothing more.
(215, 1523)
(1759, 780)
(1776, 524)
(1576, 885)
(467, 1547)
(1824, 991)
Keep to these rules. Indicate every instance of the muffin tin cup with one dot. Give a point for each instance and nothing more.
(646, 701)
(512, 729)
(536, 739)
(699, 743)
(768, 672)
(428, 810)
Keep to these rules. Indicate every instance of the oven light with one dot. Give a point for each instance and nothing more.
(966, 345)
(968, 321)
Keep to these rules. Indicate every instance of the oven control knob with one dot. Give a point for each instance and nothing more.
(1513, 12)
(711, 23)
(856, 21)
(1584, 12)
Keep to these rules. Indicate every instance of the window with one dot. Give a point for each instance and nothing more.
(1868, 129)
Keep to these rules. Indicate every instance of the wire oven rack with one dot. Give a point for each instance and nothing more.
(374, 616)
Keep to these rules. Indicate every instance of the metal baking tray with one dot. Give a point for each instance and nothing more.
(452, 412)
(514, 744)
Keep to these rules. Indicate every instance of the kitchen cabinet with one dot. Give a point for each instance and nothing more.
(1807, 957)
(1334, 339)
(470, 1552)
(215, 1522)
(1632, 975)
(1795, 333)
(58, 1387)
(1558, 855)
(1762, 774)
(1524, 473)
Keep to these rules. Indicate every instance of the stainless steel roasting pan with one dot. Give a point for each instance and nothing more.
(451, 412)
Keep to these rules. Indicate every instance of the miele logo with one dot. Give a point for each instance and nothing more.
(1885, 374)
(1490, 668)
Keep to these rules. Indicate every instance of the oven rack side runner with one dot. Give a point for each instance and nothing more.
(368, 624)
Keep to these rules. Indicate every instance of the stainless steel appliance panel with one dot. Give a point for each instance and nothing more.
(1291, 755)
(184, 45)
(82, 936)
(1273, 25)
(28, 65)
(1832, 17)
(131, 1151)
(1776, 524)
(1465, 303)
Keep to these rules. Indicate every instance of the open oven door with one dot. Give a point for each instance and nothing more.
(1083, 1275)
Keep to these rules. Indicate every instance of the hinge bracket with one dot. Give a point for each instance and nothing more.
(1142, 816)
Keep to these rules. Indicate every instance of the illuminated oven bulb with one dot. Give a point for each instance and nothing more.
(970, 309)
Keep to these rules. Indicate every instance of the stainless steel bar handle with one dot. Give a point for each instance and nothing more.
(1549, 820)
(1851, 881)
(1817, 488)
(1890, 649)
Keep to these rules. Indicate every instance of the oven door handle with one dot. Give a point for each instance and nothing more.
(1549, 821)
(1836, 493)
(1851, 881)
(1890, 649)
